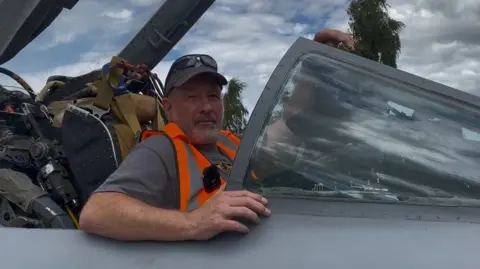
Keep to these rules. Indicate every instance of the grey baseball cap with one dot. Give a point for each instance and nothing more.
(189, 66)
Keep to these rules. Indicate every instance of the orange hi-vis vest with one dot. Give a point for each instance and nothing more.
(191, 163)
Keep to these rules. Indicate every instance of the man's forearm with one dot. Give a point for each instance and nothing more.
(118, 216)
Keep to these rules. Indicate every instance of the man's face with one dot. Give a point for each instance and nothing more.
(197, 108)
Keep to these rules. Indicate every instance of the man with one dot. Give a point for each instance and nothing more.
(157, 193)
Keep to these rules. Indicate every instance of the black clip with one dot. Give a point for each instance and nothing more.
(211, 178)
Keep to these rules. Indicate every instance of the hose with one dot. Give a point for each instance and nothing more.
(52, 214)
(72, 216)
(19, 80)
(19, 189)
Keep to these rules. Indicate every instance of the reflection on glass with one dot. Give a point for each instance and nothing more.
(396, 108)
(470, 135)
(340, 130)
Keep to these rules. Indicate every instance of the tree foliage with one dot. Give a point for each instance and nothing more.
(377, 35)
(235, 112)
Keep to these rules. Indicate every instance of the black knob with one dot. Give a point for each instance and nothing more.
(38, 150)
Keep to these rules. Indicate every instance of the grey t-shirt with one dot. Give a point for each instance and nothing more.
(149, 173)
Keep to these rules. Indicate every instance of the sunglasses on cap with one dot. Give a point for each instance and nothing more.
(193, 60)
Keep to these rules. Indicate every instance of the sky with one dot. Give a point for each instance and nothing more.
(249, 37)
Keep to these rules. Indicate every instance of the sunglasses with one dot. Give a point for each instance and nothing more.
(193, 60)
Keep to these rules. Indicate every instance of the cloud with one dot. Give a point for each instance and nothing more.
(124, 14)
(93, 20)
(88, 62)
(146, 2)
(440, 41)
(249, 37)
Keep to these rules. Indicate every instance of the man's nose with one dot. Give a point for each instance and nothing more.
(206, 104)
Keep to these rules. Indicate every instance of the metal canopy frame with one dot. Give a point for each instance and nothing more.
(164, 30)
(301, 47)
(23, 20)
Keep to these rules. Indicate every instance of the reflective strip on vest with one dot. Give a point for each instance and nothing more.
(227, 144)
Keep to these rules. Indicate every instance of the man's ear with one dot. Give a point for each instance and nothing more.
(167, 107)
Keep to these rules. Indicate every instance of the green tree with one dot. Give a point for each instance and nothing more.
(235, 118)
(377, 35)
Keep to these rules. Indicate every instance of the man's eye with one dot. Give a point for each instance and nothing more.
(191, 96)
(214, 96)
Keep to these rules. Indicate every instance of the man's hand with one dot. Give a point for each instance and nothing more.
(217, 214)
(334, 38)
